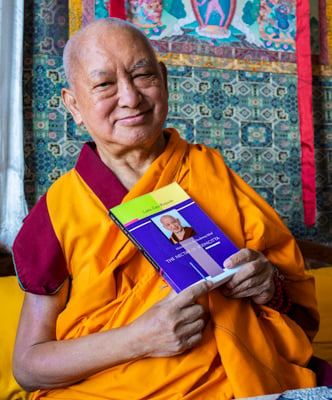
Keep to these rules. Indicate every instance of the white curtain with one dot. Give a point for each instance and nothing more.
(13, 206)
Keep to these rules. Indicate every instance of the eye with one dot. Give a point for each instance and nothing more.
(104, 84)
(142, 75)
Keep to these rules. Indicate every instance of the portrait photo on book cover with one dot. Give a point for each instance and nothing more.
(174, 226)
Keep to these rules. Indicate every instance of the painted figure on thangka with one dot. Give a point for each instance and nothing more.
(257, 24)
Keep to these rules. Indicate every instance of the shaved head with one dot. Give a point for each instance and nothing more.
(167, 217)
(104, 27)
(117, 88)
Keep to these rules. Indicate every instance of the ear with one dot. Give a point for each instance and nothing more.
(163, 69)
(69, 99)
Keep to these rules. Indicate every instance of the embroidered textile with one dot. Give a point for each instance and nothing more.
(254, 122)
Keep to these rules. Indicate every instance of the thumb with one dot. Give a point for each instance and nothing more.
(190, 294)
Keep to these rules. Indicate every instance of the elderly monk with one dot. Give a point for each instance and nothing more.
(174, 225)
(98, 322)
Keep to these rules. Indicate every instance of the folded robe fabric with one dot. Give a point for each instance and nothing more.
(246, 350)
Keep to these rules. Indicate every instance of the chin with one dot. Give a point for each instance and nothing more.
(141, 136)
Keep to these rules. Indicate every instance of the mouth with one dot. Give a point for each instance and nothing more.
(133, 119)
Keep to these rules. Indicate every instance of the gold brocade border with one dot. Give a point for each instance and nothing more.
(75, 11)
(192, 60)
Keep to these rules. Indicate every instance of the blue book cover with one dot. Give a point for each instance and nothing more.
(178, 238)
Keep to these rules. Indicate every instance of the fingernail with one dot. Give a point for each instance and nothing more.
(228, 263)
(209, 283)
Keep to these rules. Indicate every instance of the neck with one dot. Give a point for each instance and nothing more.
(130, 164)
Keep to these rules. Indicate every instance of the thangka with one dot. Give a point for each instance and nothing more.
(254, 35)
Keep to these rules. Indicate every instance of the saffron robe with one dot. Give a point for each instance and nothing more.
(188, 232)
(247, 349)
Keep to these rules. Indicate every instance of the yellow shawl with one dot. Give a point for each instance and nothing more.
(247, 350)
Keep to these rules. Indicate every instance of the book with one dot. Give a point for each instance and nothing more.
(178, 238)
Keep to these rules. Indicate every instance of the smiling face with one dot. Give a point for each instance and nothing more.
(172, 224)
(119, 90)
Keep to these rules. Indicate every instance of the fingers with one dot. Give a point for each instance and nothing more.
(178, 321)
(253, 280)
(252, 273)
(192, 334)
(188, 329)
(192, 293)
(241, 257)
(259, 290)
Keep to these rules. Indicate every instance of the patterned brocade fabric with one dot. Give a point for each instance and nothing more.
(240, 99)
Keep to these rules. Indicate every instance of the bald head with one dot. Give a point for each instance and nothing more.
(74, 50)
(172, 224)
(118, 89)
(166, 218)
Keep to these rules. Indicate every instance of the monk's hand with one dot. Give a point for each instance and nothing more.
(174, 324)
(254, 280)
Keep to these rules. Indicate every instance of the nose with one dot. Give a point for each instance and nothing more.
(128, 94)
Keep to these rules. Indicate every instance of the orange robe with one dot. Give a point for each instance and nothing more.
(247, 350)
